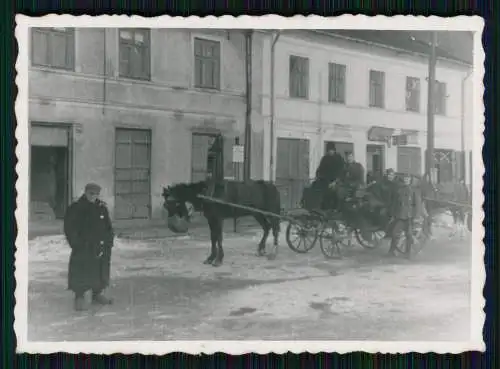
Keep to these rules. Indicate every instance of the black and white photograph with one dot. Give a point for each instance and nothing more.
(260, 184)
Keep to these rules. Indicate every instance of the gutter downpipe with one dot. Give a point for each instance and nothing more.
(272, 107)
(462, 121)
(248, 117)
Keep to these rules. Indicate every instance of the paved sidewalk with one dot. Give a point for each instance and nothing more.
(154, 229)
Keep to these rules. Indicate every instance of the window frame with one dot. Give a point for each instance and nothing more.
(372, 99)
(207, 40)
(144, 75)
(408, 97)
(333, 78)
(303, 95)
(70, 49)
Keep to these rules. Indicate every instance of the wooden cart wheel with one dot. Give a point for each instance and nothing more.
(331, 239)
(301, 237)
(420, 239)
(369, 239)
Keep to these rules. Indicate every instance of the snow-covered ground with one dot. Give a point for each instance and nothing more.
(163, 291)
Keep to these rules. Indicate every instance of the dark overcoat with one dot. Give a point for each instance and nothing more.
(89, 232)
(406, 204)
(385, 191)
(330, 168)
(354, 174)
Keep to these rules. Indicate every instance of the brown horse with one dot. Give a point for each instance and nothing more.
(253, 194)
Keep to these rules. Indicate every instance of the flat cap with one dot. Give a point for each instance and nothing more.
(92, 187)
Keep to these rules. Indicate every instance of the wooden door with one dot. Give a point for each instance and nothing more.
(292, 170)
(132, 174)
(375, 160)
(410, 160)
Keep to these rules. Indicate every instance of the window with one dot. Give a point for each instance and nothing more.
(299, 77)
(412, 94)
(440, 98)
(377, 88)
(206, 63)
(135, 55)
(336, 83)
(53, 47)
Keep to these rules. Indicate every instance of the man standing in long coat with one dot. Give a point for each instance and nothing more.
(90, 235)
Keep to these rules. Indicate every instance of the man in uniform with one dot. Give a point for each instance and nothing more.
(89, 232)
(354, 174)
(387, 192)
(404, 210)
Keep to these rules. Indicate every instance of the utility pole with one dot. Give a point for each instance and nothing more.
(431, 106)
(248, 118)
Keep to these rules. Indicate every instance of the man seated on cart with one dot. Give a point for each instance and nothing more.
(353, 175)
(331, 168)
(331, 165)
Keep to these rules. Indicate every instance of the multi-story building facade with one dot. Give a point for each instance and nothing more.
(357, 94)
(134, 110)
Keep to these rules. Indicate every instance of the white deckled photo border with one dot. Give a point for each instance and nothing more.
(478, 272)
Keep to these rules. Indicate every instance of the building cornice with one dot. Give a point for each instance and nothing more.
(389, 47)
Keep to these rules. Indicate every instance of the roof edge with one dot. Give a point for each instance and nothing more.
(459, 62)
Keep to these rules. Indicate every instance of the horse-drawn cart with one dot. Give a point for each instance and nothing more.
(363, 215)
(333, 228)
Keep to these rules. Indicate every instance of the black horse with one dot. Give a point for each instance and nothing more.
(255, 194)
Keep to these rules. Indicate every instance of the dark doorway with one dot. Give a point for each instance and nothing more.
(200, 144)
(375, 160)
(49, 182)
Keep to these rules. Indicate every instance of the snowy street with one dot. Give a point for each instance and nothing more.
(162, 291)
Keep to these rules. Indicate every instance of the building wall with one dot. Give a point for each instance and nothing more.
(96, 103)
(320, 120)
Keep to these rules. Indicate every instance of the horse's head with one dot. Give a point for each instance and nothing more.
(180, 201)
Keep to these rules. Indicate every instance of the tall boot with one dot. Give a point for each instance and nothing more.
(99, 299)
(80, 301)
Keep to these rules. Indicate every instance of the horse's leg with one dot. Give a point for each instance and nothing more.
(213, 239)
(220, 252)
(275, 224)
(261, 249)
